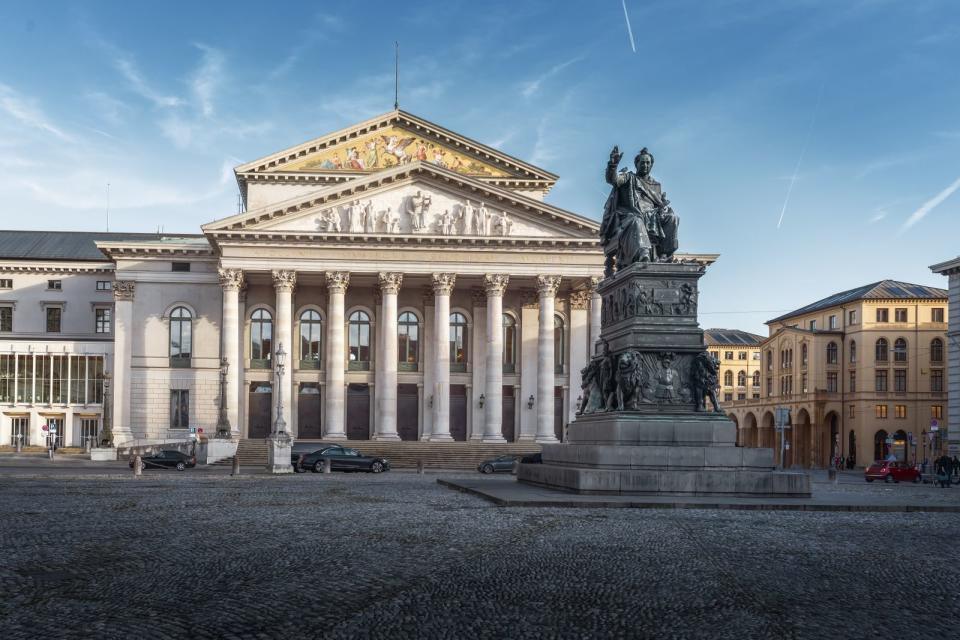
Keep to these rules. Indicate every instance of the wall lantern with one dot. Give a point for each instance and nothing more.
(530, 402)
(482, 399)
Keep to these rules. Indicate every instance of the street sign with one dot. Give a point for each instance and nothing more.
(934, 427)
(889, 440)
(43, 428)
(934, 424)
(193, 429)
(53, 429)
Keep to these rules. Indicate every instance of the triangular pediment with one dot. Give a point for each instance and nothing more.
(415, 200)
(394, 139)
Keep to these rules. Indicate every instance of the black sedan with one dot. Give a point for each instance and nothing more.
(168, 460)
(497, 465)
(341, 459)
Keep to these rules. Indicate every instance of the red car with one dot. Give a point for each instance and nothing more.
(891, 471)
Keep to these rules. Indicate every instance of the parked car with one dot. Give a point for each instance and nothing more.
(892, 471)
(498, 464)
(167, 460)
(341, 459)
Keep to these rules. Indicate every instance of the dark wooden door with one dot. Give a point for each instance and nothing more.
(258, 414)
(408, 409)
(358, 412)
(558, 418)
(509, 411)
(458, 412)
(308, 412)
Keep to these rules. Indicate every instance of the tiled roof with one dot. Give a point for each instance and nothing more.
(69, 245)
(732, 337)
(883, 290)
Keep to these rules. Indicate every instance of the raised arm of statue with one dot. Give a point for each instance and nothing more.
(612, 176)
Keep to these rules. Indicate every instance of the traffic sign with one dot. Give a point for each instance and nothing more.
(44, 428)
(934, 427)
(53, 429)
(934, 424)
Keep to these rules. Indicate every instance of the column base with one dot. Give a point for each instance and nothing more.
(546, 439)
(441, 437)
(494, 439)
(335, 436)
(278, 455)
(386, 436)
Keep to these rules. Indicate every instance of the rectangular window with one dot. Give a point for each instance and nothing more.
(727, 397)
(852, 317)
(832, 382)
(769, 387)
(936, 411)
(881, 411)
(756, 355)
(881, 380)
(852, 411)
(756, 395)
(832, 322)
(803, 384)
(900, 380)
(741, 355)
(900, 411)
(936, 380)
(6, 283)
(853, 382)
(102, 320)
(78, 378)
(728, 355)
(936, 314)
(103, 285)
(25, 378)
(180, 266)
(899, 315)
(7, 365)
(58, 379)
(813, 325)
(43, 379)
(95, 380)
(741, 396)
(715, 354)
(54, 285)
(54, 315)
(6, 319)
(179, 409)
(883, 315)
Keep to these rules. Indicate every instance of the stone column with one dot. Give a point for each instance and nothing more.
(386, 423)
(547, 289)
(596, 317)
(427, 339)
(495, 284)
(579, 347)
(284, 283)
(231, 280)
(123, 293)
(337, 283)
(442, 287)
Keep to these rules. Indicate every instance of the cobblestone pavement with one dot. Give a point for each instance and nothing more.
(396, 555)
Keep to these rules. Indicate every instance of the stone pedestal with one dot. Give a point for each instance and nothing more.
(216, 449)
(103, 454)
(641, 429)
(278, 454)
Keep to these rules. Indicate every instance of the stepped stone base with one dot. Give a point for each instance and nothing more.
(103, 454)
(648, 454)
(215, 449)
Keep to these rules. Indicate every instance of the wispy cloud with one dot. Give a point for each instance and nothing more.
(884, 163)
(322, 26)
(207, 78)
(127, 67)
(531, 87)
(877, 217)
(27, 112)
(930, 205)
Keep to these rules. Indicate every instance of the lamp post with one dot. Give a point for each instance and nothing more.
(106, 433)
(223, 422)
(279, 444)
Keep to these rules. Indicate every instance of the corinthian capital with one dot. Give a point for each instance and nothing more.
(495, 283)
(230, 279)
(390, 282)
(337, 281)
(547, 285)
(580, 299)
(124, 289)
(284, 280)
(443, 283)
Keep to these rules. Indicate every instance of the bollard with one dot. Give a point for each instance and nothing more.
(50, 452)
(19, 442)
(137, 466)
(236, 466)
(420, 467)
(513, 469)
(326, 465)
(832, 475)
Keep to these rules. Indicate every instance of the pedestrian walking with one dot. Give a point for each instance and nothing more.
(956, 466)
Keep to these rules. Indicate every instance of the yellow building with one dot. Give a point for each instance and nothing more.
(738, 353)
(863, 373)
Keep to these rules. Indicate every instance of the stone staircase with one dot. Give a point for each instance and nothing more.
(402, 455)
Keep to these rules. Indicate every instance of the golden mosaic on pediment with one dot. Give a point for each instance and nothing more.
(388, 148)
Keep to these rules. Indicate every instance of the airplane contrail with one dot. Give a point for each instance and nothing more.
(629, 29)
(803, 152)
(930, 205)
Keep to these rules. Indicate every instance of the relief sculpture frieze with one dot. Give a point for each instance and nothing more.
(659, 298)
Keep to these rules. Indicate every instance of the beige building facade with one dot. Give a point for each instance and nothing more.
(738, 353)
(863, 372)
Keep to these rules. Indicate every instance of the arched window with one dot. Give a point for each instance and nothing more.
(458, 341)
(882, 350)
(742, 379)
(936, 350)
(359, 341)
(728, 378)
(558, 344)
(853, 351)
(900, 350)
(408, 341)
(181, 337)
(769, 360)
(509, 344)
(311, 332)
(756, 380)
(261, 339)
(803, 354)
(832, 353)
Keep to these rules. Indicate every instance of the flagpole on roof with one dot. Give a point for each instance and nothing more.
(396, 75)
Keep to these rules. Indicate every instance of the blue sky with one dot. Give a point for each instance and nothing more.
(856, 103)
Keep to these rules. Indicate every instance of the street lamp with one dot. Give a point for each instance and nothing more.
(530, 402)
(482, 400)
(279, 444)
(280, 427)
(223, 422)
(106, 433)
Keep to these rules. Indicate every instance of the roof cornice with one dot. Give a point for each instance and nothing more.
(948, 268)
(166, 250)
